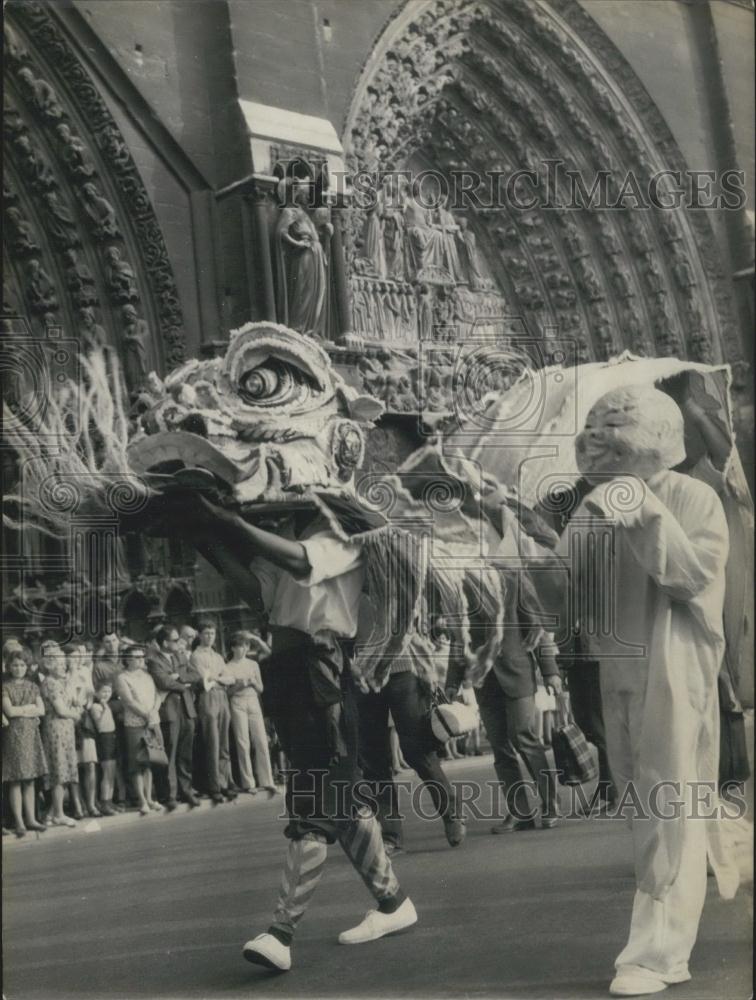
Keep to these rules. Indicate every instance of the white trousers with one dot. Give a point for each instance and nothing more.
(662, 932)
(248, 727)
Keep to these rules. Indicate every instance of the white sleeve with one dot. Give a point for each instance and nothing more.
(682, 559)
(329, 557)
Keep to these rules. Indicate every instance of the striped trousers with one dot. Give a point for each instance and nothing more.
(362, 843)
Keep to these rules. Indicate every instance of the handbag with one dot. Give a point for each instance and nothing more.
(575, 761)
(151, 752)
(450, 719)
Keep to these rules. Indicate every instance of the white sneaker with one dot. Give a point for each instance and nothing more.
(377, 925)
(268, 951)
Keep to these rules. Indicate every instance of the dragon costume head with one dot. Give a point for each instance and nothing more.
(270, 420)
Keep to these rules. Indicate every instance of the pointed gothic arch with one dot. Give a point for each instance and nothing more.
(491, 86)
(83, 250)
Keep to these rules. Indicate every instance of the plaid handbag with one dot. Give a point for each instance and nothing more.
(575, 761)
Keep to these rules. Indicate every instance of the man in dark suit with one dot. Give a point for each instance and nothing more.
(506, 701)
(178, 714)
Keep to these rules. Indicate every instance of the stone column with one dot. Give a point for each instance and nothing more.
(341, 289)
(257, 232)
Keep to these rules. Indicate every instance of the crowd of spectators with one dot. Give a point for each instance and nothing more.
(93, 731)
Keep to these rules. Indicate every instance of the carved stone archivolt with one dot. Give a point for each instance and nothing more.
(492, 88)
(84, 247)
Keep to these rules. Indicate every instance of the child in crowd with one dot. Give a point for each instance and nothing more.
(23, 754)
(104, 725)
(81, 685)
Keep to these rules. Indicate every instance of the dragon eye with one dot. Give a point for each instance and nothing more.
(274, 383)
(259, 384)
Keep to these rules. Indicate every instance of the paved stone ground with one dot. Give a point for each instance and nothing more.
(159, 908)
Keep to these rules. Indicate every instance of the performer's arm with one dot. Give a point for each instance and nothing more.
(682, 560)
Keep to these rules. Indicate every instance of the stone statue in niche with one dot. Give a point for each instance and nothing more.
(682, 269)
(101, 213)
(425, 248)
(40, 95)
(447, 225)
(409, 314)
(91, 334)
(40, 291)
(300, 263)
(114, 148)
(134, 349)
(359, 312)
(393, 229)
(79, 280)
(34, 168)
(74, 153)
(14, 50)
(22, 236)
(120, 277)
(61, 222)
(374, 249)
(424, 312)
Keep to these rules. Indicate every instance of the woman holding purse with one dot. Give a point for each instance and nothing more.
(141, 702)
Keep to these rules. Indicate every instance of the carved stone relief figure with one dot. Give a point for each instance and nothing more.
(393, 229)
(91, 334)
(61, 223)
(79, 280)
(23, 242)
(374, 249)
(34, 168)
(134, 349)
(114, 148)
(300, 263)
(40, 95)
(74, 153)
(101, 213)
(120, 277)
(424, 313)
(449, 229)
(40, 291)
(425, 246)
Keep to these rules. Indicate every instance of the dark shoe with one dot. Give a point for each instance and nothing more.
(171, 805)
(455, 831)
(230, 793)
(192, 801)
(511, 825)
(217, 798)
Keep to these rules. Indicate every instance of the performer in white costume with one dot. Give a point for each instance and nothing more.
(659, 664)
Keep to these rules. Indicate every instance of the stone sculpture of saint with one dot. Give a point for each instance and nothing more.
(134, 350)
(74, 153)
(91, 334)
(79, 280)
(374, 248)
(420, 234)
(448, 228)
(100, 211)
(300, 264)
(469, 242)
(393, 229)
(120, 277)
(40, 291)
(424, 313)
